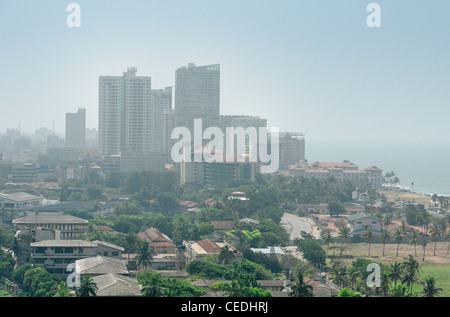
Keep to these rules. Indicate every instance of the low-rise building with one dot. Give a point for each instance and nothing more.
(159, 243)
(198, 250)
(70, 227)
(20, 201)
(359, 224)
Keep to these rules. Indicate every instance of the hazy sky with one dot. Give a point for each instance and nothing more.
(308, 66)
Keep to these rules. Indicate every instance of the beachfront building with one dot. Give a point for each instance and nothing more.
(340, 171)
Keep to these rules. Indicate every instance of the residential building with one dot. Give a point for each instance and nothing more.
(70, 227)
(76, 128)
(159, 243)
(359, 224)
(197, 96)
(292, 149)
(99, 265)
(212, 172)
(26, 173)
(56, 255)
(116, 285)
(161, 103)
(20, 201)
(124, 113)
(198, 250)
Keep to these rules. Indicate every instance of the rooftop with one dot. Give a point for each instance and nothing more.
(50, 219)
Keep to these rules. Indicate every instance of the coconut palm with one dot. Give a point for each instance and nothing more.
(398, 237)
(413, 239)
(87, 287)
(62, 290)
(151, 287)
(131, 239)
(411, 272)
(395, 272)
(384, 235)
(435, 233)
(447, 238)
(144, 255)
(423, 242)
(299, 288)
(430, 287)
(368, 236)
(226, 255)
(344, 234)
(326, 238)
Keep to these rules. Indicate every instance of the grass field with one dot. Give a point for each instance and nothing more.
(437, 265)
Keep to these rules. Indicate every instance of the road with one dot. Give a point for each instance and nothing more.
(294, 225)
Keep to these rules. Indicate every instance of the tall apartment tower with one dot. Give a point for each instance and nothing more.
(76, 128)
(124, 113)
(161, 101)
(197, 95)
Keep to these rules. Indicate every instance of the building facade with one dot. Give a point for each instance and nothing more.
(76, 128)
(197, 95)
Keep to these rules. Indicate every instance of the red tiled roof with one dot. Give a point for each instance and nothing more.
(222, 225)
(209, 246)
(153, 235)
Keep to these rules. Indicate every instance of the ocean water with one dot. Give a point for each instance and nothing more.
(421, 167)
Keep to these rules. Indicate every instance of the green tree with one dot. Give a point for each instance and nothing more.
(299, 288)
(226, 255)
(87, 287)
(385, 236)
(435, 233)
(345, 292)
(430, 287)
(369, 236)
(144, 255)
(326, 238)
(398, 238)
(62, 290)
(151, 285)
(335, 208)
(344, 235)
(414, 239)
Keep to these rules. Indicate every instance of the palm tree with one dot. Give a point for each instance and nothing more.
(447, 238)
(395, 272)
(368, 235)
(326, 238)
(144, 255)
(413, 239)
(411, 272)
(423, 242)
(430, 288)
(131, 239)
(435, 233)
(387, 220)
(87, 287)
(384, 282)
(300, 288)
(151, 287)
(344, 234)
(226, 255)
(385, 235)
(398, 237)
(62, 290)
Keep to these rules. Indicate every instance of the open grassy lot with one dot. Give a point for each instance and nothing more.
(437, 265)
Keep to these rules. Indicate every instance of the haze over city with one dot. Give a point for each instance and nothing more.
(308, 66)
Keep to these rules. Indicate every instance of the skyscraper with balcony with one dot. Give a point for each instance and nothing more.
(197, 95)
(124, 113)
